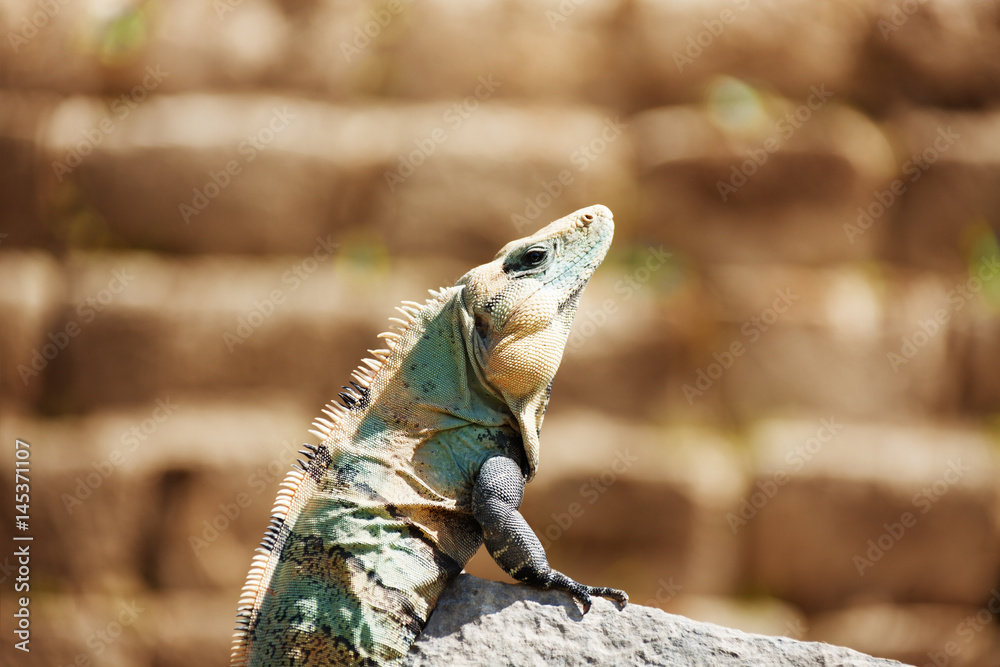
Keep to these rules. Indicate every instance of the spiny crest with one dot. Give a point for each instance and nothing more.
(274, 537)
(355, 397)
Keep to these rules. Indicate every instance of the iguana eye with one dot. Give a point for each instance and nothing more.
(534, 257)
(531, 260)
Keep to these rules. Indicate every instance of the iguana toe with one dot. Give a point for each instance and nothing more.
(621, 597)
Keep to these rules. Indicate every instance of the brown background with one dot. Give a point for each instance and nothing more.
(835, 479)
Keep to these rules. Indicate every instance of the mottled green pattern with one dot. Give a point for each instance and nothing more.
(379, 517)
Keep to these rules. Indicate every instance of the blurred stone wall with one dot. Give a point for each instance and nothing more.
(780, 406)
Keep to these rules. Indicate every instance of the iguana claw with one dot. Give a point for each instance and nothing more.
(584, 596)
(621, 597)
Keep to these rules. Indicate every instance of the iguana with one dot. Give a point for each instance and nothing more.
(424, 460)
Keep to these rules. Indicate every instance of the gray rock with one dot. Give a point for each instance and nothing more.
(480, 622)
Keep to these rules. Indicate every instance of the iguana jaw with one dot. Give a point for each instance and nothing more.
(520, 312)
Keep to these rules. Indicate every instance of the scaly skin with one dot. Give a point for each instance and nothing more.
(426, 458)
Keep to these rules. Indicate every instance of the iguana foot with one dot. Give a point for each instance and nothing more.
(513, 545)
(584, 593)
(621, 597)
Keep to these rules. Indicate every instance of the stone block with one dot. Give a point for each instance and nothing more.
(682, 46)
(173, 494)
(71, 628)
(52, 46)
(845, 511)
(949, 216)
(561, 51)
(936, 53)
(23, 196)
(982, 361)
(31, 296)
(481, 620)
(919, 634)
(849, 340)
(199, 173)
(151, 326)
(635, 507)
(756, 178)
(83, 48)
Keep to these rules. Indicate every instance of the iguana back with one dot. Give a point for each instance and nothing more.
(430, 447)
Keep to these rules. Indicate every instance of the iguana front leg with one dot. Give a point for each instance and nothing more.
(510, 540)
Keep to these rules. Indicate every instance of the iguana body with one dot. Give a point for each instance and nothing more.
(426, 457)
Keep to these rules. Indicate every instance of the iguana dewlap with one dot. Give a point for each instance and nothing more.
(425, 459)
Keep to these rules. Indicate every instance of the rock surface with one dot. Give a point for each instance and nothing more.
(480, 622)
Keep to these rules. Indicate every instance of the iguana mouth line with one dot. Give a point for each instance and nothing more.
(573, 296)
(572, 267)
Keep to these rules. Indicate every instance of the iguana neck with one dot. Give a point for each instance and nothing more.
(430, 380)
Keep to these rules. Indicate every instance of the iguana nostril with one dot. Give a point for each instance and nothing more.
(594, 212)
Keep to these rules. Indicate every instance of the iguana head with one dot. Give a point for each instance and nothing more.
(519, 309)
